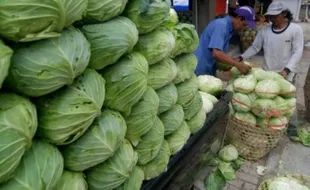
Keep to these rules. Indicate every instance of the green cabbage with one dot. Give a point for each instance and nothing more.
(228, 153)
(284, 183)
(65, 115)
(252, 96)
(187, 90)
(262, 123)
(287, 89)
(267, 89)
(241, 102)
(261, 74)
(172, 119)
(186, 64)
(126, 82)
(207, 104)
(178, 138)
(47, 65)
(110, 40)
(262, 107)
(162, 73)
(72, 180)
(282, 105)
(135, 180)
(210, 84)
(98, 144)
(186, 39)
(278, 123)
(215, 181)
(168, 96)
(172, 20)
(210, 97)
(147, 14)
(227, 171)
(115, 171)
(99, 11)
(246, 117)
(18, 124)
(193, 107)
(230, 88)
(142, 117)
(159, 164)
(150, 143)
(245, 83)
(197, 121)
(156, 45)
(40, 168)
(5, 61)
(291, 103)
(31, 20)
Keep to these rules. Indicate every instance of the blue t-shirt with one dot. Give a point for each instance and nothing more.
(215, 36)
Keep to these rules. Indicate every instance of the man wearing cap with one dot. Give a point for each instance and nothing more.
(283, 44)
(214, 41)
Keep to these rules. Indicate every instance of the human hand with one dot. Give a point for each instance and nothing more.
(243, 68)
(283, 73)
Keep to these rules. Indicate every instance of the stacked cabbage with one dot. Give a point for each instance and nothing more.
(263, 99)
(108, 102)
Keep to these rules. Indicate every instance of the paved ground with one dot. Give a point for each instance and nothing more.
(288, 157)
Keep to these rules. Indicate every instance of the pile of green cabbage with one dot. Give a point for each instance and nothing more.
(263, 99)
(96, 94)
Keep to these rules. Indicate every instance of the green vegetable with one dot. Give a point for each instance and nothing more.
(207, 105)
(197, 121)
(287, 89)
(126, 82)
(159, 164)
(186, 64)
(115, 171)
(261, 74)
(237, 164)
(223, 66)
(215, 181)
(193, 107)
(303, 136)
(245, 84)
(228, 153)
(210, 84)
(156, 45)
(227, 171)
(168, 96)
(107, 43)
(45, 66)
(99, 143)
(246, 117)
(32, 20)
(65, 115)
(162, 73)
(186, 39)
(178, 138)
(135, 180)
(172, 20)
(172, 119)
(263, 107)
(241, 102)
(150, 143)
(142, 117)
(18, 124)
(72, 180)
(278, 123)
(41, 168)
(210, 97)
(5, 61)
(147, 14)
(99, 11)
(284, 183)
(267, 89)
(187, 90)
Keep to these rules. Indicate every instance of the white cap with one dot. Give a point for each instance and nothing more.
(276, 8)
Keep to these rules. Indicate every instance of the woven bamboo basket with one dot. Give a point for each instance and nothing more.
(251, 142)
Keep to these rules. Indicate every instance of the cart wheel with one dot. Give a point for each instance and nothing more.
(307, 95)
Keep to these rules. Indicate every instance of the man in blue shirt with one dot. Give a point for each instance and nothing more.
(214, 41)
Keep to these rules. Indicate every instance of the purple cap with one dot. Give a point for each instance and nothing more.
(248, 13)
